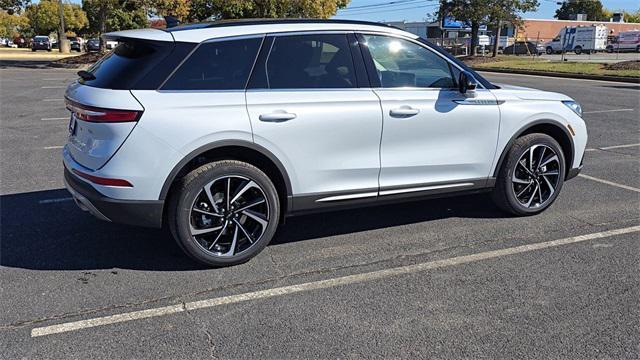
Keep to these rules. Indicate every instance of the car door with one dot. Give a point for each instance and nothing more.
(434, 137)
(309, 106)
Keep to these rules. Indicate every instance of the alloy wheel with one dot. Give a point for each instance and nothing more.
(229, 215)
(536, 176)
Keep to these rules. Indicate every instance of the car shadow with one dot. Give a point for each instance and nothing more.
(625, 87)
(45, 230)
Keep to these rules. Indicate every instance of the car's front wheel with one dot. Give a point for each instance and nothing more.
(224, 213)
(531, 175)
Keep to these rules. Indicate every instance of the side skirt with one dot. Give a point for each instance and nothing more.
(312, 203)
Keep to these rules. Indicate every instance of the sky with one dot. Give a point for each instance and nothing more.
(419, 10)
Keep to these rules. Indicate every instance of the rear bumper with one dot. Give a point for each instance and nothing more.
(131, 212)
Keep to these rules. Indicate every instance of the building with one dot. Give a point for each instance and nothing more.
(547, 29)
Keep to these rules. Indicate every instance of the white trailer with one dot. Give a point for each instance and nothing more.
(579, 39)
(626, 41)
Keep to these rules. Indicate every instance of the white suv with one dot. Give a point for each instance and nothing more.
(221, 130)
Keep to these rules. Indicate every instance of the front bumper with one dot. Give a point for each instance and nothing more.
(131, 212)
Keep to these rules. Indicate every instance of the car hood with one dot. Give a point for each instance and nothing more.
(528, 93)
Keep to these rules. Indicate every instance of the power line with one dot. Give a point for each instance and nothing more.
(397, 2)
(388, 10)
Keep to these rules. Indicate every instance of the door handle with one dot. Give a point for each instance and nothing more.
(404, 111)
(277, 116)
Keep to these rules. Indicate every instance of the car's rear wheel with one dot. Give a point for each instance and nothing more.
(578, 50)
(531, 175)
(224, 213)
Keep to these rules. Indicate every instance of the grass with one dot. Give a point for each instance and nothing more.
(571, 67)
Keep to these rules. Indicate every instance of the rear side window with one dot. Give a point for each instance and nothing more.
(219, 65)
(320, 61)
(129, 62)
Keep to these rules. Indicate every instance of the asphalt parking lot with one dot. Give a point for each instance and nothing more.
(445, 278)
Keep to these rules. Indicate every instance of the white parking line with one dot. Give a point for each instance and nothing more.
(51, 201)
(321, 284)
(55, 79)
(52, 100)
(606, 111)
(618, 146)
(626, 187)
(58, 118)
(53, 87)
(53, 147)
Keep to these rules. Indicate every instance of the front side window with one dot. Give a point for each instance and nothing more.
(402, 63)
(218, 65)
(321, 61)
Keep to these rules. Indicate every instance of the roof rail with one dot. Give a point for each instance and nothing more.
(248, 22)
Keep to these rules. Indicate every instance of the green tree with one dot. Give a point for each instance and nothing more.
(593, 9)
(236, 9)
(114, 15)
(12, 25)
(13, 6)
(44, 17)
(487, 12)
(176, 8)
(507, 11)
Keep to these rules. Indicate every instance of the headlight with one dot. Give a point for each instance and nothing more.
(575, 106)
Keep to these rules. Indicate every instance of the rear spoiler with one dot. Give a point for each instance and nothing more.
(141, 34)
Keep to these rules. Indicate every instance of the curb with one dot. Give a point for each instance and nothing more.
(54, 64)
(632, 80)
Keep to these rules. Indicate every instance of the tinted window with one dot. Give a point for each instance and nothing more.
(402, 63)
(310, 61)
(127, 63)
(220, 65)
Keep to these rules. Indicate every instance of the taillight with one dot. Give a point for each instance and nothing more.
(103, 181)
(94, 114)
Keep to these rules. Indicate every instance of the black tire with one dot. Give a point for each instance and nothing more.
(638, 49)
(504, 194)
(609, 49)
(549, 50)
(191, 186)
(577, 50)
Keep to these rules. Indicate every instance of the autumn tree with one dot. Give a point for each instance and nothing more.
(12, 25)
(236, 9)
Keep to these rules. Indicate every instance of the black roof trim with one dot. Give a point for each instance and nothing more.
(248, 22)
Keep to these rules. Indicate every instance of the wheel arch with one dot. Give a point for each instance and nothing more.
(552, 128)
(241, 150)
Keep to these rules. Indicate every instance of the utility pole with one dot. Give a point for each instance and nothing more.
(63, 45)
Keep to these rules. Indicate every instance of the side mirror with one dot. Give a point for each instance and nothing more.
(466, 82)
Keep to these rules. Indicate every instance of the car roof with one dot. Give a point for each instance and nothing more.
(229, 28)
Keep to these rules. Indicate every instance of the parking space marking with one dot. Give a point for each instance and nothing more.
(53, 87)
(320, 284)
(58, 118)
(53, 147)
(53, 201)
(52, 100)
(626, 187)
(606, 111)
(619, 146)
(55, 79)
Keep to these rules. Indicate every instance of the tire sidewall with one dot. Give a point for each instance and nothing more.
(521, 146)
(192, 188)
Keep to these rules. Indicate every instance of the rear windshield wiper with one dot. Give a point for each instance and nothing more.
(85, 75)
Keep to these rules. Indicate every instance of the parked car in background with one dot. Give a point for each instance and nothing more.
(93, 45)
(77, 43)
(41, 42)
(20, 42)
(263, 100)
(625, 41)
(523, 48)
